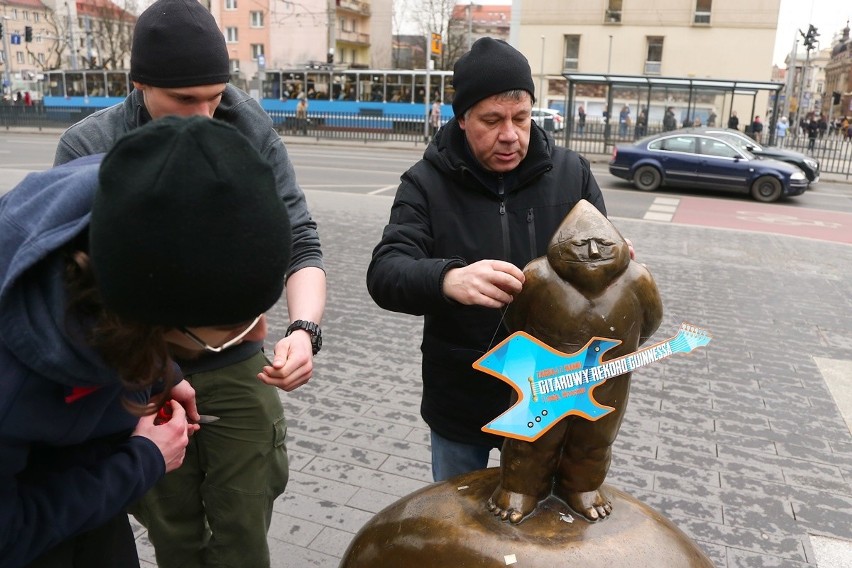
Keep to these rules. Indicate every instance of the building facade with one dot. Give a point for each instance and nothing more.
(277, 34)
(837, 101)
(666, 38)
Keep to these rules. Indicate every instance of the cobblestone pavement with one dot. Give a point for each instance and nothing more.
(740, 443)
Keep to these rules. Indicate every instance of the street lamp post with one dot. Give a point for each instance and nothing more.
(609, 56)
(7, 57)
(541, 92)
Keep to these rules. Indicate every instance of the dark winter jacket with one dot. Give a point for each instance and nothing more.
(67, 463)
(97, 132)
(449, 212)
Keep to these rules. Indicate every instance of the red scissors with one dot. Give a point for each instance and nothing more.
(165, 414)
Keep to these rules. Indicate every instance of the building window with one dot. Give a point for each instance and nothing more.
(232, 35)
(41, 58)
(36, 17)
(572, 53)
(613, 12)
(654, 61)
(702, 11)
(230, 4)
(20, 56)
(256, 19)
(234, 65)
(256, 49)
(26, 16)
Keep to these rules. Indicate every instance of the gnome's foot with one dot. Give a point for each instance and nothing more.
(511, 506)
(591, 504)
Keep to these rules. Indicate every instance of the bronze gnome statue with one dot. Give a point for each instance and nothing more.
(586, 286)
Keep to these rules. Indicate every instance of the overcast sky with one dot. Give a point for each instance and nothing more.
(829, 17)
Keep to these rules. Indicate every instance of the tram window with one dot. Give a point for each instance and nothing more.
(74, 84)
(377, 88)
(318, 86)
(449, 91)
(399, 88)
(420, 87)
(55, 85)
(95, 84)
(271, 85)
(294, 84)
(117, 84)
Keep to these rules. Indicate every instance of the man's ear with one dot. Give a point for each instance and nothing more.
(461, 120)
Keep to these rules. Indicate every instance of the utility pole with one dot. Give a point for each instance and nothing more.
(788, 91)
(332, 35)
(7, 58)
(810, 43)
(542, 95)
(469, 24)
(72, 45)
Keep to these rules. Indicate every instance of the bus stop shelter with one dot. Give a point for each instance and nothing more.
(605, 95)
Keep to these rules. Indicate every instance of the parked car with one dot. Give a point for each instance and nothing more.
(695, 160)
(549, 119)
(805, 163)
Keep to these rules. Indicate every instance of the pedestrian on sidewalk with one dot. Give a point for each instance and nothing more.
(483, 201)
(179, 65)
(107, 267)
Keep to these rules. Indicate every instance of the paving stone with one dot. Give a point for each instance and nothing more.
(739, 443)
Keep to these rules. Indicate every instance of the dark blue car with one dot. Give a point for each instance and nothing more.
(702, 161)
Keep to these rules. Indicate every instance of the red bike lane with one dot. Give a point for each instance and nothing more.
(766, 218)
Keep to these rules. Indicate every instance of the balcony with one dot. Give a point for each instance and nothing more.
(653, 67)
(353, 37)
(702, 18)
(354, 6)
(612, 17)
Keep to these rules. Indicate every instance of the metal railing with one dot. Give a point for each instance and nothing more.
(834, 151)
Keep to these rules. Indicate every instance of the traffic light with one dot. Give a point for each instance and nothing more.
(810, 37)
(835, 98)
(330, 57)
(28, 33)
(1, 30)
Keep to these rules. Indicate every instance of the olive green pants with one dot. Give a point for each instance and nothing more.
(215, 510)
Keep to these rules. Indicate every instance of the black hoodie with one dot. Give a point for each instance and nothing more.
(450, 212)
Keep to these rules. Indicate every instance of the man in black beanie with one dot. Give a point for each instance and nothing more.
(218, 506)
(486, 198)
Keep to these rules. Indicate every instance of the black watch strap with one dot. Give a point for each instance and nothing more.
(312, 328)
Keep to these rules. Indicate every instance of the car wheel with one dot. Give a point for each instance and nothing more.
(766, 189)
(647, 178)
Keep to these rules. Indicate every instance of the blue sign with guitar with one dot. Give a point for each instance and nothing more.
(552, 385)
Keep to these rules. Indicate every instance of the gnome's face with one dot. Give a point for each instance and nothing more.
(587, 250)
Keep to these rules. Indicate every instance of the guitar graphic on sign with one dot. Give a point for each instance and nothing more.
(551, 384)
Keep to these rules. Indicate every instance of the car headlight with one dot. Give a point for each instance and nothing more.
(813, 164)
(798, 176)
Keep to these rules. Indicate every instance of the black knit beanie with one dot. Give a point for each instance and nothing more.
(187, 228)
(492, 66)
(176, 43)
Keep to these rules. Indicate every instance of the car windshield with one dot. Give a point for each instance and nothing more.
(740, 143)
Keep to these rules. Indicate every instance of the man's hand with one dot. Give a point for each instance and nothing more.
(292, 364)
(185, 395)
(630, 248)
(488, 283)
(170, 437)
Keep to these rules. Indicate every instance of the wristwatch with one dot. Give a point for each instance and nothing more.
(312, 328)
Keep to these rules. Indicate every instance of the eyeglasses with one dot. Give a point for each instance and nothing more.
(229, 343)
